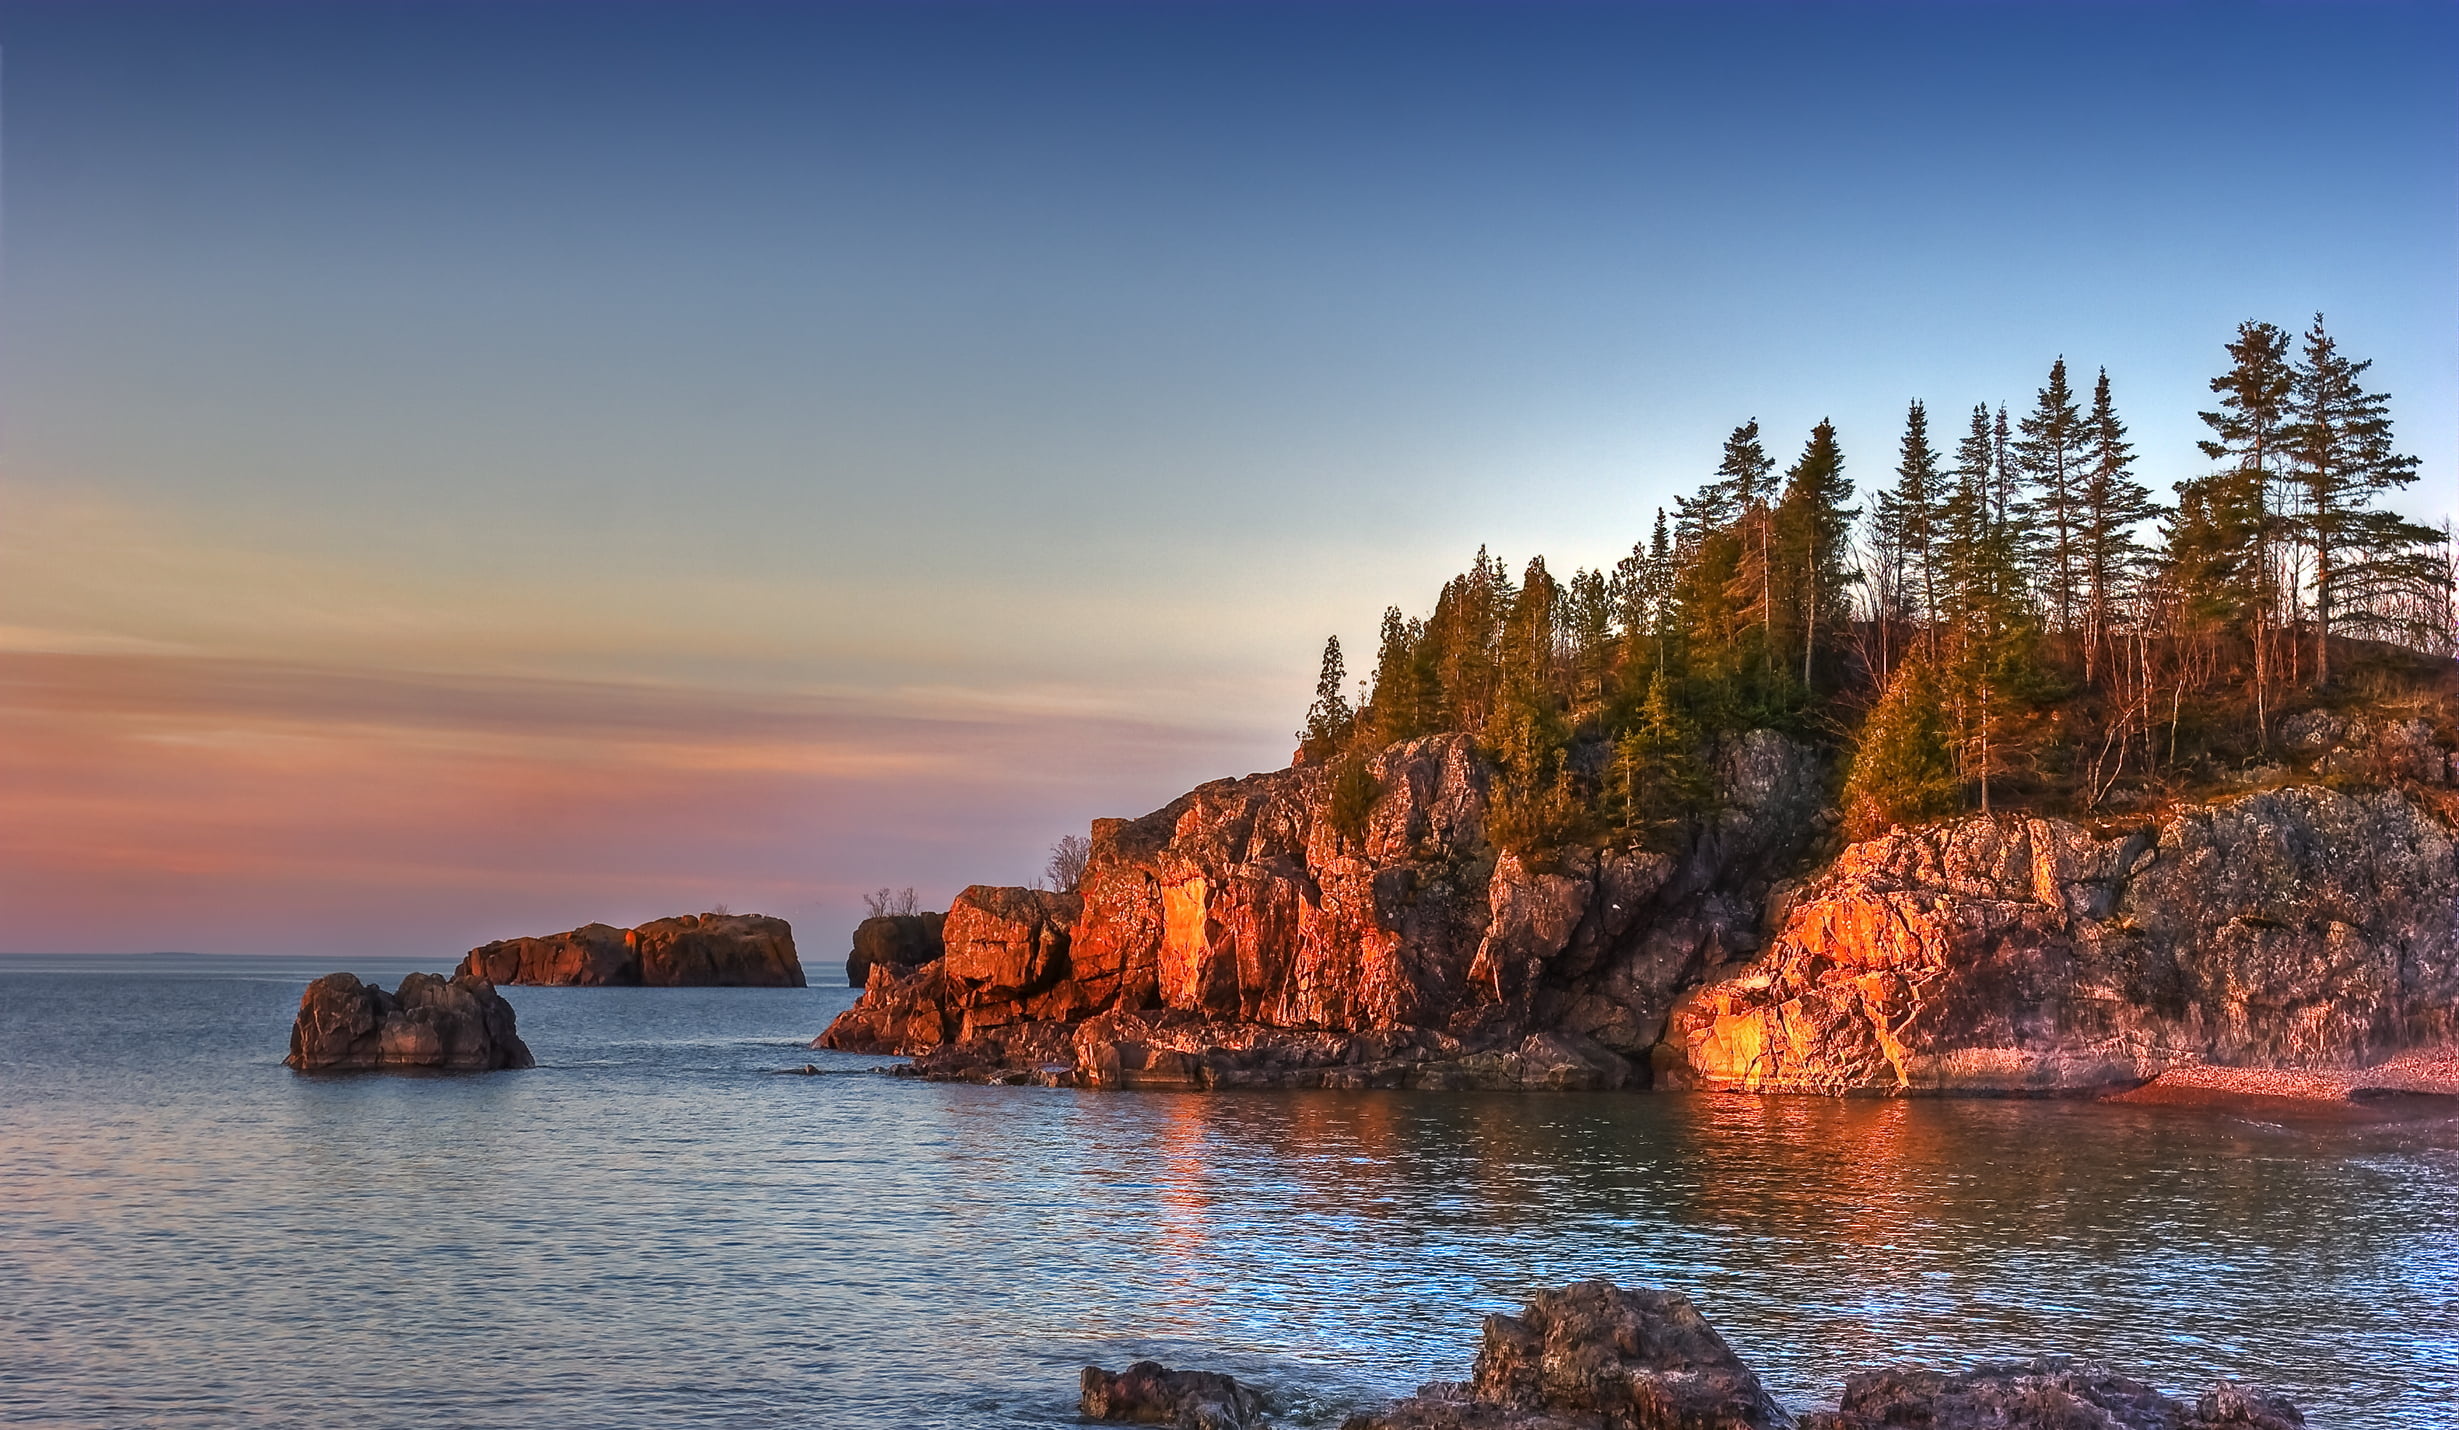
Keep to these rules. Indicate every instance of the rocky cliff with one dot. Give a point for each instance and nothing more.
(690, 951)
(2301, 927)
(1237, 937)
(429, 1023)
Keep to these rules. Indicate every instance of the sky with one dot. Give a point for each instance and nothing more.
(471, 469)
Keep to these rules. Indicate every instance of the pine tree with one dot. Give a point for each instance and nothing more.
(2224, 549)
(1329, 720)
(1811, 526)
(1903, 770)
(1903, 525)
(2113, 504)
(1587, 633)
(2051, 456)
(1658, 783)
(2338, 446)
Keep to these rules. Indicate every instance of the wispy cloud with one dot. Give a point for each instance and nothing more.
(181, 801)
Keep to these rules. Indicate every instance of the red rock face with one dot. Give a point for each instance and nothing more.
(460, 1025)
(1236, 937)
(690, 951)
(2296, 928)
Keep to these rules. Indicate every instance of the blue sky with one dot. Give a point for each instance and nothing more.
(1059, 365)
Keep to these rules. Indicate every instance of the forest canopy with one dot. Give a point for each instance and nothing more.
(2009, 619)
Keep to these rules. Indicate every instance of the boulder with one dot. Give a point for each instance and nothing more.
(902, 942)
(456, 1025)
(1149, 1393)
(2044, 1393)
(688, 951)
(1596, 1357)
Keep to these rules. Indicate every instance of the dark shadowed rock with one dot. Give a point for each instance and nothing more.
(689, 951)
(456, 1025)
(900, 942)
(2045, 1393)
(1149, 1393)
(1596, 1357)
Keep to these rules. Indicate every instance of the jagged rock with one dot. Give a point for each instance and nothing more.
(903, 942)
(690, 951)
(1149, 1393)
(1236, 937)
(2301, 927)
(1595, 1357)
(456, 1025)
(2045, 1393)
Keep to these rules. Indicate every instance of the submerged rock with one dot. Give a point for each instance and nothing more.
(2044, 1393)
(456, 1025)
(1592, 1356)
(688, 951)
(1149, 1393)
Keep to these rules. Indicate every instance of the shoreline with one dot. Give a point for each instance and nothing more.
(2418, 1082)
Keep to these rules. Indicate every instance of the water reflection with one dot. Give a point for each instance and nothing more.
(649, 1230)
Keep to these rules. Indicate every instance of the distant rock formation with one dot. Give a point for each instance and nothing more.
(456, 1025)
(689, 951)
(2296, 928)
(1593, 1356)
(899, 943)
(1149, 1393)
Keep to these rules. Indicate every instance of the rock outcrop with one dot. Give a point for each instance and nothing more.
(1238, 937)
(2297, 928)
(899, 942)
(1593, 1356)
(690, 951)
(1150, 1393)
(2050, 1392)
(430, 1023)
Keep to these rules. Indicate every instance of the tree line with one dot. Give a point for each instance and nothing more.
(2016, 617)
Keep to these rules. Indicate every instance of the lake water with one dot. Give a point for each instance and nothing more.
(651, 1229)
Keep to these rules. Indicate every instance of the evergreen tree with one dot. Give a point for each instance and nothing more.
(2051, 455)
(2338, 445)
(1657, 780)
(1903, 525)
(1811, 525)
(2113, 504)
(1903, 770)
(1329, 720)
(2223, 549)
(1587, 634)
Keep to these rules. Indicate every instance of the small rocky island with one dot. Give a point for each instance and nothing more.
(429, 1023)
(715, 950)
(1593, 1356)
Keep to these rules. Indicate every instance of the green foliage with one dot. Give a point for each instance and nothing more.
(1903, 771)
(1355, 791)
(2013, 573)
(1329, 721)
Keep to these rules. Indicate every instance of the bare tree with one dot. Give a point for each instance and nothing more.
(1065, 871)
(886, 904)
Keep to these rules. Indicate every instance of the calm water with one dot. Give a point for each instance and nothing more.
(651, 1230)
